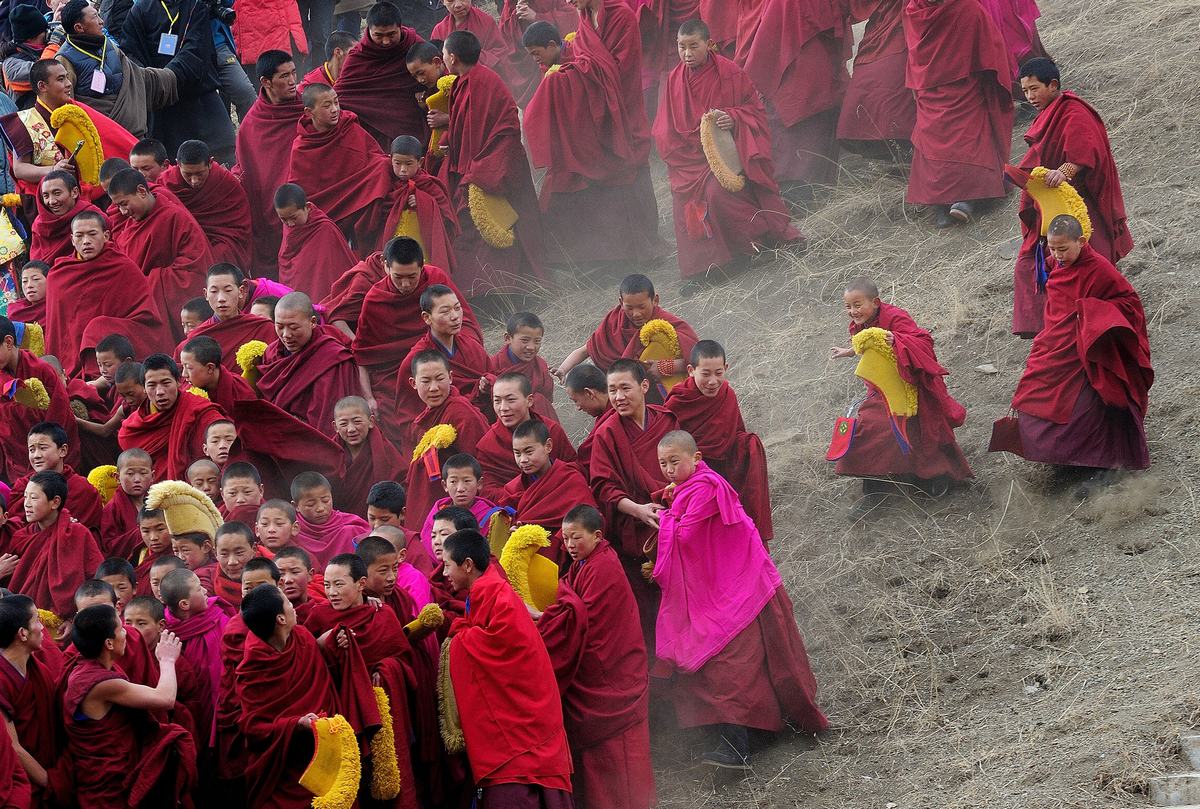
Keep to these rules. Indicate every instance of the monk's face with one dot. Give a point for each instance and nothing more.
(431, 380)
(253, 578)
(107, 363)
(579, 541)
(189, 320)
(33, 634)
(427, 73)
(627, 395)
(147, 165)
(199, 374)
(155, 537)
(405, 166)
(193, 555)
(44, 454)
(233, 552)
(292, 216)
(677, 463)
(860, 307)
(88, 237)
(294, 328)
(195, 174)
(263, 309)
(445, 316)
(342, 589)
(225, 296)
(353, 425)
(275, 528)
(293, 578)
(131, 394)
(511, 404)
(525, 343)
(592, 402)
(205, 477)
(238, 492)
(39, 507)
(282, 86)
(382, 573)
(693, 50)
(546, 56)
(315, 504)
(158, 571)
(162, 388)
(404, 277)
(325, 111)
(458, 8)
(437, 536)
(709, 375)
(461, 485)
(1064, 249)
(137, 205)
(33, 284)
(123, 587)
(1039, 93)
(378, 515)
(531, 455)
(57, 198)
(140, 619)
(460, 576)
(638, 307)
(385, 36)
(56, 89)
(135, 476)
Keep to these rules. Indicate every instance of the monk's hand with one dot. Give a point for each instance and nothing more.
(64, 165)
(889, 338)
(412, 200)
(837, 353)
(373, 406)
(524, 13)
(648, 513)
(169, 647)
(1054, 178)
(343, 638)
(533, 612)
(724, 120)
(307, 720)
(8, 563)
(438, 120)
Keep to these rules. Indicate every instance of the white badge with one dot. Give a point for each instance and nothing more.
(99, 82)
(167, 43)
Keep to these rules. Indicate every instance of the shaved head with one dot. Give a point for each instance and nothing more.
(296, 302)
(681, 440)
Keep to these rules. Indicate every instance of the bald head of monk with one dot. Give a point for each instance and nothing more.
(532, 447)
(130, 192)
(89, 234)
(225, 290)
(627, 389)
(50, 81)
(200, 362)
(431, 377)
(678, 456)
(322, 107)
(1065, 239)
(461, 52)
(395, 535)
(384, 25)
(276, 72)
(406, 154)
(861, 299)
(588, 389)
(194, 159)
(695, 43)
(424, 62)
(295, 321)
(442, 312)
(707, 367)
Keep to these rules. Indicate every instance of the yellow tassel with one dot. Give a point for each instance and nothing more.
(49, 620)
(517, 554)
(439, 436)
(730, 180)
(429, 618)
(71, 125)
(105, 481)
(344, 792)
(410, 225)
(449, 721)
(11, 201)
(493, 216)
(439, 102)
(553, 69)
(659, 330)
(32, 393)
(385, 772)
(195, 391)
(883, 373)
(248, 356)
(571, 36)
(1065, 196)
(34, 339)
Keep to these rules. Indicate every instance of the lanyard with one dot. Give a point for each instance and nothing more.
(170, 19)
(103, 50)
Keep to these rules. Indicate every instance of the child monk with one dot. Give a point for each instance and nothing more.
(386, 507)
(408, 577)
(314, 252)
(48, 450)
(497, 52)
(381, 639)
(523, 333)
(31, 306)
(717, 228)
(324, 531)
(195, 617)
(194, 313)
(137, 661)
(16, 418)
(934, 459)
(462, 481)
(443, 405)
(205, 474)
(118, 574)
(196, 551)
(276, 526)
(51, 554)
(705, 405)
(109, 720)
(213, 195)
(447, 521)
(418, 193)
(156, 546)
(337, 47)
(228, 292)
(150, 157)
(295, 578)
(726, 634)
(235, 547)
(504, 685)
(159, 568)
(601, 670)
(512, 400)
(587, 388)
(545, 488)
(370, 458)
(241, 492)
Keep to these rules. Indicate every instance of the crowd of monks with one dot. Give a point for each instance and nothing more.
(268, 493)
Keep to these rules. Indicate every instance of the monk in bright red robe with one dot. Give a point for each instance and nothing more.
(960, 73)
(468, 364)
(314, 253)
(500, 54)
(120, 534)
(714, 226)
(16, 366)
(417, 192)
(228, 293)
(1069, 138)
(375, 83)
(600, 661)
(877, 106)
(215, 198)
(512, 399)
(722, 20)
(51, 230)
(516, 16)
(56, 554)
(86, 508)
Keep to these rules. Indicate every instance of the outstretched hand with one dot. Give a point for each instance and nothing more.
(169, 647)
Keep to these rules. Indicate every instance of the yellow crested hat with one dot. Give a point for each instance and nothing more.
(1052, 202)
(661, 343)
(493, 216)
(185, 509)
(499, 529)
(31, 337)
(878, 366)
(336, 767)
(533, 576)
(73, 128)
(104, 480)
(721, 152)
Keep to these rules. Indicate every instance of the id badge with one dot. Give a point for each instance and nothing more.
(167, 43)
(99, 82)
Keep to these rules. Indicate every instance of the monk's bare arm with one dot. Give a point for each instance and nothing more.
(36, 772)
(344, 328)
(364, 382)
(132, 695)
(574, 358)
(106, 429)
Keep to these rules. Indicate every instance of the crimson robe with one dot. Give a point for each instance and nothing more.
(375, 84)
(264, 141)
(16, 792)
(175, 438)
(877, 106)
(119, 300)
(470, 426)
(505, 689)
(468, 365)
(499, 53)
(200, 634)
(722, 19)
(30, 703)
(435, 217)
(376, 461)
(959, 71)
(874, 450)
(22, 311)
(484, 149)
(222, 210)
(120, 534)
(733, 452)
(536, 371)
(309, 383)
(495, 453)
(584, 450)
(1069, 130)
(600, 661)
(338, 534)
(617, 338)
(16, 419)
(546, 500)
(314, 255)
(345, 299)
(712, 225)
(172, 251)
(452, 602)
(85, 503)
(53, 563)
(51, 235)
(231, 334)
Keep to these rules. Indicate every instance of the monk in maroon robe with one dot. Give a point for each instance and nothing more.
(588, 390)
(512, 399)
(228, 292)
(160, 236)
(58, 203)
(314, 253)
(468, 364)
(344, 303)
(418, 192)
(369, 457)
(877, 106)
(1069, 138)
(960, 73)
(215, 198)
(16, 366)
(264, 140)
(120, 534)
(714, 226)
(484, 150)
(57, 555)
(86, 508)
(499, 53)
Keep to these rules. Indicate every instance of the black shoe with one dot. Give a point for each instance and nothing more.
(936, 487)
(963, 212)
(732, 751)
(942, 218)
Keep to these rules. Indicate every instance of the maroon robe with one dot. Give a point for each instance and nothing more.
(120, 534)
(617, 337)
(221, 209)
(546, 500)
(375, 84)
(435, 217)
(30, 703)
(22, 311)
(959, 71)
(495, 453)
(508, 59)
(376, 461)
(82, 497)
(470, 425)
(53, 563)
(536, 371)
(722, 20)
(231, 334)
(345, 298)
(468, 365)
(16, 419)
(314, 255)
(175, 438)
(51, 235)
(309, 383)
(584, 450)
(877, 105)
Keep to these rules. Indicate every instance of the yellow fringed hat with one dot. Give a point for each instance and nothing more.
(32, 393)
(30, 337)
(720, 150)
(1052, 202)
(533, 576)
(72, 126)
(449, 721)
(248, 356)
(104, 480)
(410, 227)
(878, 367)
(499, 529)
(385, 774)
(428, 620)
(185, 509)
(11, 244)
(661, 343)
(493, 216)
(439, 102)
(336, 768)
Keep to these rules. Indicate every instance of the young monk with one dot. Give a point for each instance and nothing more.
(227, 292)
(59, 202)
(726, 633)
(16, 418)
(118, 574)
(173, 431)
(587, 388)
(47, 452)
(314, 252)
(307, 370)
(386, 509)
(101, 710)
(407, 577)
(337, 48)
(214, 197)
(1082, 399)
(205, 474)
(545, 488)
(155, 547)
(150, 158)
(194, 312)
(462, 481)
(160, 568)
(418, 193)
(512, 399)
(443, 405)
(960, 73)
(597, 199)
(523, 333)
(486, 153)
(340, 167)
(504, 685)
(706, 405)
(324, 531)
(235, 547)
(51, 554)
(447, 521)
(934, 459)
(276, 526)
(137, 662)
(498, 52)
(296, 579)
(31, 306)
(370, 458)
(163, 239)
(1069, 138)
(199, 623)
(617, 335)
(601, 670)
(241, 492)
(716, 227)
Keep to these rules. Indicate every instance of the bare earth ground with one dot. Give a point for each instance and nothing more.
(1007, 646)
